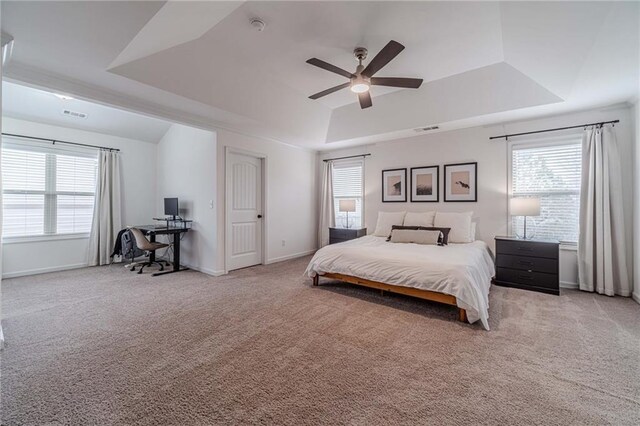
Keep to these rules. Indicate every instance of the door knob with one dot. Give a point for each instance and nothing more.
(259, 216)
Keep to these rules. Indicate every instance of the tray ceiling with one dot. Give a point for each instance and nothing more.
(204, 60)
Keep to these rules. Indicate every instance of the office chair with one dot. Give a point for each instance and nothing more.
(144, 244)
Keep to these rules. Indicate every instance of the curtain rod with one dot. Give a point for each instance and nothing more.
(55, 141)
(556, 129)
(344, 158)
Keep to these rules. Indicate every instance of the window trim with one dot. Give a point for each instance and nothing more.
(362, 166)
(539, 142)
(43, 238)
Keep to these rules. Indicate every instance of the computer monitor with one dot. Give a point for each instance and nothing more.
(171, 207)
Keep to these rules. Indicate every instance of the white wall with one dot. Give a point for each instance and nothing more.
(189, 164)
(291, 213)
(187, 170)
(473, 144)
(138, 161)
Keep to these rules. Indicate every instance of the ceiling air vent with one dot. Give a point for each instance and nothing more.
(426, 129)
(74, 114)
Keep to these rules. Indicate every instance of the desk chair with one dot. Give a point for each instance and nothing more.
(144, 244)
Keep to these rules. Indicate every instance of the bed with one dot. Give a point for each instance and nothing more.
(455, 274)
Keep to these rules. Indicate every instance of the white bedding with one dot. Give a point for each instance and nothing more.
(461, 270)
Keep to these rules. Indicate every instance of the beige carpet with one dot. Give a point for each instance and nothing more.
(105, 346)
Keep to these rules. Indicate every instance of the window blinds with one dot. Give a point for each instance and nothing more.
(46, 192)
(552, 173)
(75, 188)
(348, 184)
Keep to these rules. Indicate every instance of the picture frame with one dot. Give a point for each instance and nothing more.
(461, 182)
(394, 185)
(425, 184)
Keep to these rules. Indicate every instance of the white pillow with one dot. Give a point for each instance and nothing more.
(415, 236)
(460, 224)
(386, 220)
(419, 219)
(473, 231)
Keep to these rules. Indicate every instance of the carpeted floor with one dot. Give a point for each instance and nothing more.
(261, 345)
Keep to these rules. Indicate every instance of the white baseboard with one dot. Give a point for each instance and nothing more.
(43, 270)
(207, 271)
(569, 285)
(290, 256)
(635, 296)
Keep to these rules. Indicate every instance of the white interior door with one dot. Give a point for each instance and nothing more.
(244, 211)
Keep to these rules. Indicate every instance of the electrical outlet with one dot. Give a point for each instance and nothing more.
(284, 243)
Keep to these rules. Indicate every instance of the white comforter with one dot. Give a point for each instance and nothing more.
(461, 270)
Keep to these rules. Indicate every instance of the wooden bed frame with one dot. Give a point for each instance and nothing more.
(409, 291)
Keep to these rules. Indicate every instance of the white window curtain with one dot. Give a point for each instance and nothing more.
(327, 214)
(107, 209)
(602, 263)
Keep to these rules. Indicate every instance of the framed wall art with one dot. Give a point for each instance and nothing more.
(425, 184)
(461, 182)
(394, 186)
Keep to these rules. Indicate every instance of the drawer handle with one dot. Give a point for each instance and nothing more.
(525, 262)
(525, 277)
(524, 248)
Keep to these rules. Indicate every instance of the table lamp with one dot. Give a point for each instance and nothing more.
(347, 206)
(525, 207)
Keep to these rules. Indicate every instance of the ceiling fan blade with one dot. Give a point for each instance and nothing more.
(410, 83)
(327, 66)
(365, 99)
(390, 51)
(329, 91)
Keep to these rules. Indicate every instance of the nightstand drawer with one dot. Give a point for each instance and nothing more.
(527, 263)
(527, 248)
(529, 279)
(340, 233)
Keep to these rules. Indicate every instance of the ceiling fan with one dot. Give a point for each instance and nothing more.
(361, 81)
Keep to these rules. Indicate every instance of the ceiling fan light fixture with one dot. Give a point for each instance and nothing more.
(360, 85)
(360, 88)
(363, 78)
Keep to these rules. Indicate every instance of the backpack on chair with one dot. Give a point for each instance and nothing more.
(129, 248)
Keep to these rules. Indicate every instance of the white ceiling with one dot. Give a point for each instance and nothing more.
(31, 104)
(202, 63)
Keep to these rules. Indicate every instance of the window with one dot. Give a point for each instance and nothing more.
(46, 190)
(348, 184)
(550, 171)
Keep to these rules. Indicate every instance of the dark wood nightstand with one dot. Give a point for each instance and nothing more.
(528, 264)
(339, 235)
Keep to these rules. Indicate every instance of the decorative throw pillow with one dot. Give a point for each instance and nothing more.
(444, 232)
(385, 221)
(417, 236)
(419, 219)
(460, 224)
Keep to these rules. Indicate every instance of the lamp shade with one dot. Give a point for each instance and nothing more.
(525, 207)
(347, 205)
